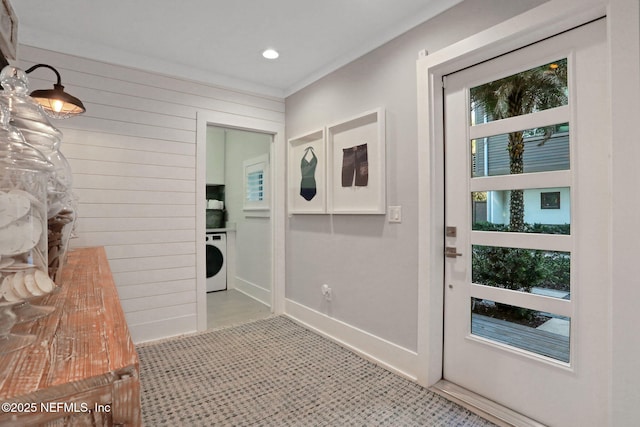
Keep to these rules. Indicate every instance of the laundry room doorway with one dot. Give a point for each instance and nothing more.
(238, 226)
(238, 276)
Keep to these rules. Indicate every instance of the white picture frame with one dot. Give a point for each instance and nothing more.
(358, 188)
(307, 156)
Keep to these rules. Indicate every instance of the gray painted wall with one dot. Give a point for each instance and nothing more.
(370, 264)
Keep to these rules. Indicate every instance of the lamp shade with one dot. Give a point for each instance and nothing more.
(56, 102)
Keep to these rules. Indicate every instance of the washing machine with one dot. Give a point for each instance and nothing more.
(216, 261)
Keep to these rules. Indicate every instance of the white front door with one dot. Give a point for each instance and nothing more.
(526, 183)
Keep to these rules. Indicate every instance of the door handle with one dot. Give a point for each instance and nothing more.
(451, 252)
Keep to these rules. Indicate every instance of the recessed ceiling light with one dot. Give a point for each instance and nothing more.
(270, 54)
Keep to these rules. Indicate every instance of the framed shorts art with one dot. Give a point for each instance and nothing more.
(356, 153)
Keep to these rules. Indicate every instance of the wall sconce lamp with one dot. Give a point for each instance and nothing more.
(56, 102)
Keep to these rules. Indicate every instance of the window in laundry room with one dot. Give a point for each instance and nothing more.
(256, 183)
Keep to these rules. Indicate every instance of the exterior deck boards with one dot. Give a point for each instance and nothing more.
(520, 336)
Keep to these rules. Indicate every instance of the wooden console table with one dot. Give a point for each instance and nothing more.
(83, 367)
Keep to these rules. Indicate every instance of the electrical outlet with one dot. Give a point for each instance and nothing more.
(326, 291)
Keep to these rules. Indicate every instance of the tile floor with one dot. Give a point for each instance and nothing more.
(231, 307)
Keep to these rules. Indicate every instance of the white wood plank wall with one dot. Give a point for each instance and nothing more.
(134, 168)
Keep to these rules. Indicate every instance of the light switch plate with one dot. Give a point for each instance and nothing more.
(395, 214)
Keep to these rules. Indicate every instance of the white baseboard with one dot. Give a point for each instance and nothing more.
(254, 291)
(397, 359)
(152, 331)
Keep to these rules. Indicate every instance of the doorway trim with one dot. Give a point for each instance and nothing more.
(278, 188)
(537, 24)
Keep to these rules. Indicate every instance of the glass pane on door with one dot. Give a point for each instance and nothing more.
(545, 210)
(546, 334)
(532, 271)
(542, 149)
(537, 89)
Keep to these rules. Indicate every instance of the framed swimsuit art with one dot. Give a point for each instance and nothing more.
(307, 174)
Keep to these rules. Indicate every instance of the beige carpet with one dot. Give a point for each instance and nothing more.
(273, 372)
